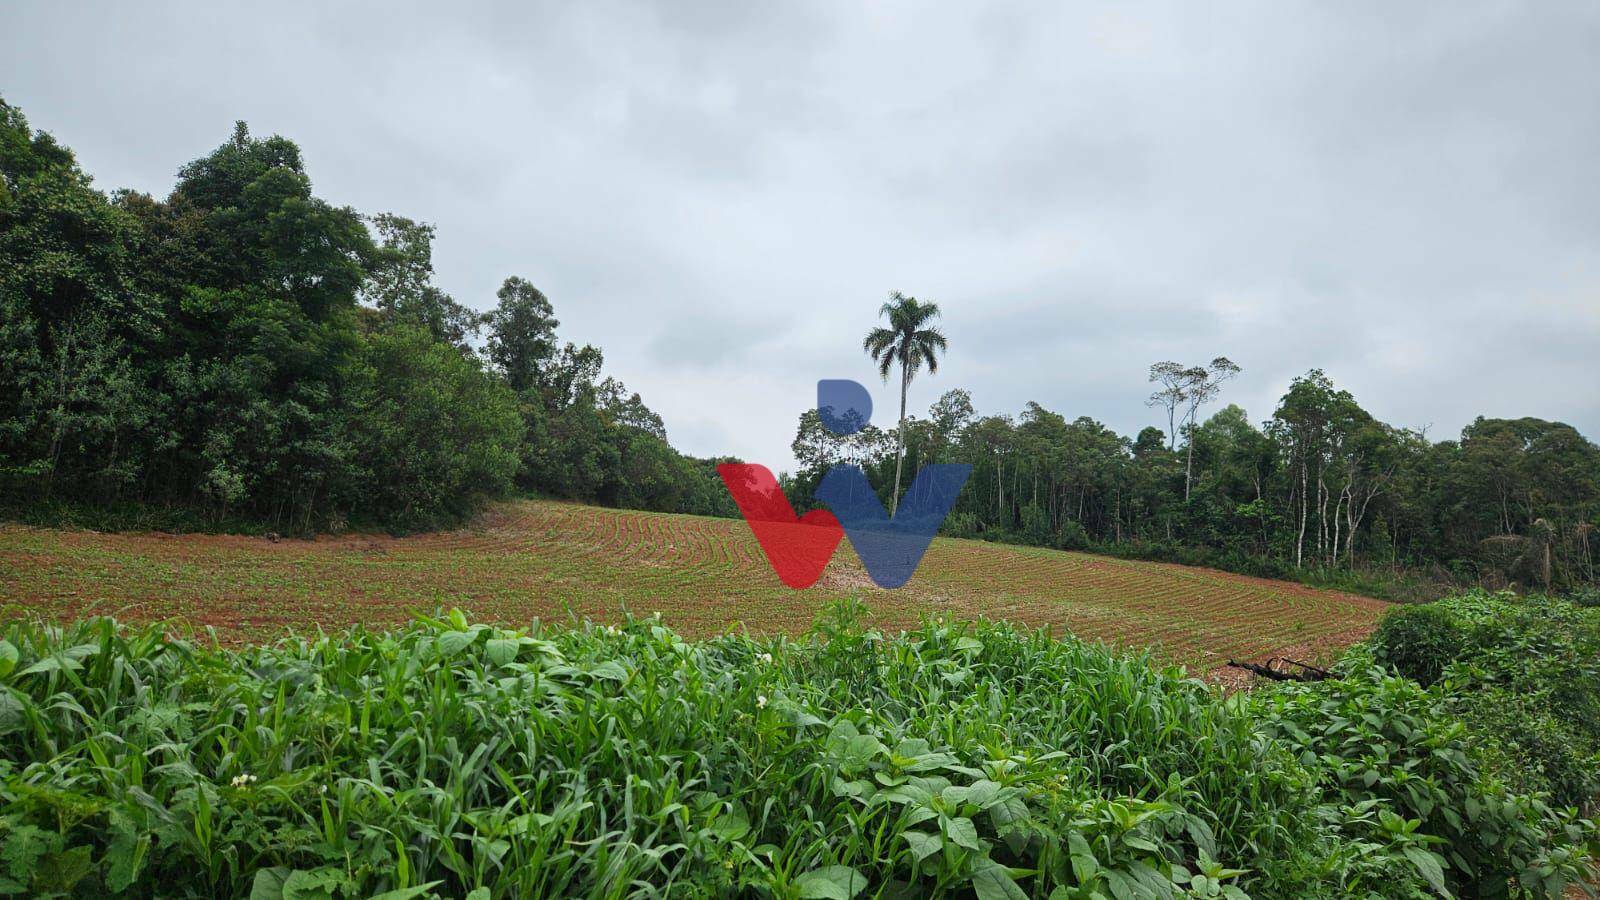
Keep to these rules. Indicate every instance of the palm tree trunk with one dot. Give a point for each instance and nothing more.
(899, 440)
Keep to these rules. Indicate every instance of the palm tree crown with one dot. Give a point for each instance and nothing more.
(913, 343)
(908, 340)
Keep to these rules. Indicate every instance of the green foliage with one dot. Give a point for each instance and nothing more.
(204, 361)
(455, 757)
(1386, 745)
(960, 525)
(437, 433)
(1523, 673)
(1073, 536)
(1036, 527)
(1321, 492)
(1420, 640)
(1588, 596)
(399, 284)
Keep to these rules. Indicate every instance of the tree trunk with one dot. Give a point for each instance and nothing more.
(1016, 490)
(1322, 511)
(1333, 545)
(1266, 542)
(1546, 571)
(1300, 539)
(999, 487)
(1188, 466)
(900, 439)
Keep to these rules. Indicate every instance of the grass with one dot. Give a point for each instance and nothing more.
(563, 562)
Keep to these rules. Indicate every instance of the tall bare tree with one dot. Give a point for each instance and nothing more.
(1201, 385)
(1172, 377)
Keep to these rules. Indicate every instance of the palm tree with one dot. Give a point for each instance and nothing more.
(913, 343)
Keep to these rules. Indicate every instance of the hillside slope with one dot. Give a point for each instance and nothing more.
(556, 561)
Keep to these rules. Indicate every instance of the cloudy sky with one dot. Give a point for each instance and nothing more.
(720, 195)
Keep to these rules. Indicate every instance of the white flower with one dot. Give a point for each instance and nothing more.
(244, 780)
(764, 657)
(761, 701)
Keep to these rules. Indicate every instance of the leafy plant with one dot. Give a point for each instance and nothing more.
(1522, 673)
(455, 758)
(1404, 775)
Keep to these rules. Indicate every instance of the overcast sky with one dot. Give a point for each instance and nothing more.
(720, 195)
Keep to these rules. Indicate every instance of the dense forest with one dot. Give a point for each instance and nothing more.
(243, 354)
(1320, 488)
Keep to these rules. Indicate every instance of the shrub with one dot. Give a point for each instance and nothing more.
(1073, 536)
(1530, 741)
(1036, 528)
(1399, 768)
(960, 525)
(1523, 673)
(1420, 641)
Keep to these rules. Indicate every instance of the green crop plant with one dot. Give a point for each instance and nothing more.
(456, 759)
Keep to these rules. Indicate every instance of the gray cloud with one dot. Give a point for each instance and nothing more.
(720, 195)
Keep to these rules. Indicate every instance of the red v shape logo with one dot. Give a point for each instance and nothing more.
(797, 547)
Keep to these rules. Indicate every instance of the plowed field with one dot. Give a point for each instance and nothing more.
(560, 562)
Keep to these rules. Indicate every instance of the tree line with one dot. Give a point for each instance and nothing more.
(1322, 489)
(242, 353)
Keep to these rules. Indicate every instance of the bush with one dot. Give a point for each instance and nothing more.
(1523, 673)
(1420, 641)
(1073, 536)
(1396, 766)
(1530, 741)
(960, 525)
(1036, 529)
